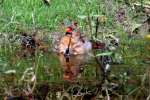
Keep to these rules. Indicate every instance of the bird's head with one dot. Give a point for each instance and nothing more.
(69, 30)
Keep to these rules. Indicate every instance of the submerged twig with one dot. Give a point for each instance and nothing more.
(36, 70)
(108, 97)
(148, 98)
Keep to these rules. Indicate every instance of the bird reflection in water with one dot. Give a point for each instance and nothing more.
(73, 67)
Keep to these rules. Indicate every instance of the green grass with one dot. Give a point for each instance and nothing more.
(17, 14)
